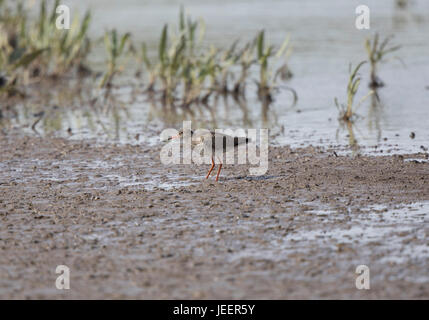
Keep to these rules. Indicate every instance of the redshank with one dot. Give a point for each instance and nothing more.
(214, 143)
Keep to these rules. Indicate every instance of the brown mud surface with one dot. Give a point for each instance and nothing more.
(129, 227)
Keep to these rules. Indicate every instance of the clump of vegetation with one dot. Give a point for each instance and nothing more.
(347, 111)
(171, 60)
(13, 55)
(183, 73)
(267, 80)
(182, 64)
(246, 61)
(377, 52)
(178, 63)
(115, 46)
(36, 49)
(66, 48)
(13, 60)
(186, 72)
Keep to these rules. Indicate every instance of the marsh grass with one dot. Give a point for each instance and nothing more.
(267, 78)
(116, 47)
(34, 49)
(184, 72)
(347, 111)
(64, 49)
(377, 51)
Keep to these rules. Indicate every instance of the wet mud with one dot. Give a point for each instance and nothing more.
(130, 227)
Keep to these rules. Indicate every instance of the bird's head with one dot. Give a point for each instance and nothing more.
(179, 135)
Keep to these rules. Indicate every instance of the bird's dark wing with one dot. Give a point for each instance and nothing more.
(227, 139)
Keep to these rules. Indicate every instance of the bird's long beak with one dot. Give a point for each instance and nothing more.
(173, 137)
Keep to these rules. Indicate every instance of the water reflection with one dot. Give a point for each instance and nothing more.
(374, 118)
(120, 113)
(77, 110)
(352, 141)
(374, 115)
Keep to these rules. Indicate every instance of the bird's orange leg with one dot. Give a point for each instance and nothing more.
(210, 171)
(220, 167)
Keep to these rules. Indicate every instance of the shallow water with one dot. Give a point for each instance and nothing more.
(325, 41)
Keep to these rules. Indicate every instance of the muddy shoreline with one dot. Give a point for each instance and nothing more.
(129, 227)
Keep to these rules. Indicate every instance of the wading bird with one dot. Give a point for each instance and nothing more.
(214, 143)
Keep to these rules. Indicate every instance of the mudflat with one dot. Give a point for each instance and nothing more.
(128, 226)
